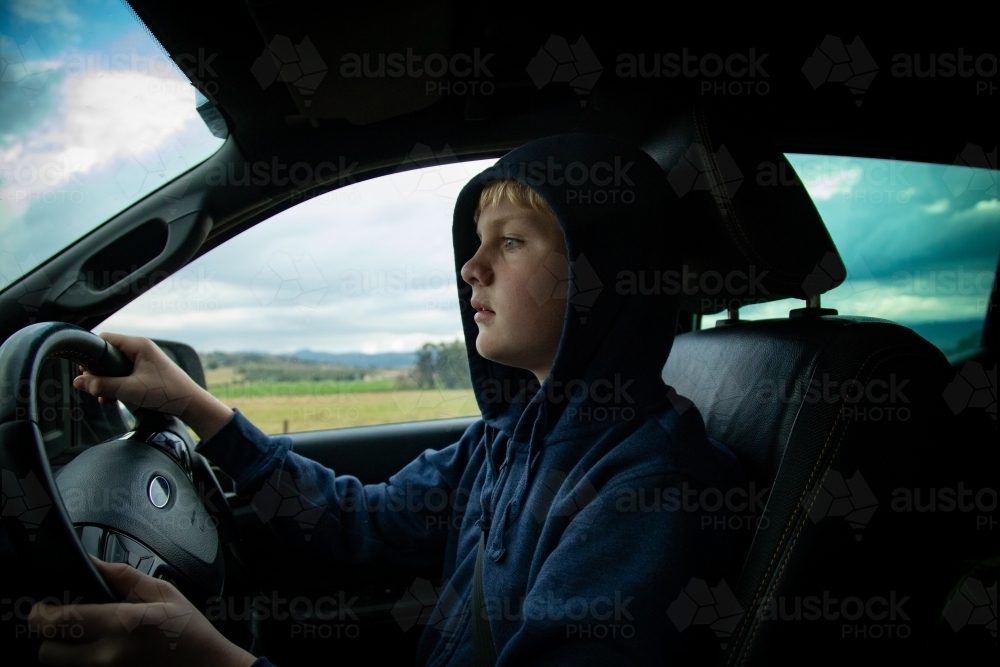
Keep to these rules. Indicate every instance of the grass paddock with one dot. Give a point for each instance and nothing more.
(316, 411)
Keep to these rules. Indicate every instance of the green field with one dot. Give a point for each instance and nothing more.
(233, 390)
(286, 396)
(279, 407)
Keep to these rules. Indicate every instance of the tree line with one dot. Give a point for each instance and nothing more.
(442, 365)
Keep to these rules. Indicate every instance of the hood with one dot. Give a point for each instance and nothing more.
(611, 200)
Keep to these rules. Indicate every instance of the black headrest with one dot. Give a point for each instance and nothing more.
(751, 231)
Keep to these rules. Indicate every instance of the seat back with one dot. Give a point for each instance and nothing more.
(841, 419)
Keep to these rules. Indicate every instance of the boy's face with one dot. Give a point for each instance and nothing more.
(518, 277)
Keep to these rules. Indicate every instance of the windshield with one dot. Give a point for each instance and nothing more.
(93, 116)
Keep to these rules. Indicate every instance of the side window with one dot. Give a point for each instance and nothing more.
(341, 311)
(920, 242)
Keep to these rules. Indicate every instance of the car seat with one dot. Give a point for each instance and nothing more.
(842, 418)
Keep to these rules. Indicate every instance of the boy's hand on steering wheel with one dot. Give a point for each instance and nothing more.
(156, 383)
(155, 626)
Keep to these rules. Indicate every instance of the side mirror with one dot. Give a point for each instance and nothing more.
(184, 356)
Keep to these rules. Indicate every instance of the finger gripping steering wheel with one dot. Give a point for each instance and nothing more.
(130, 499)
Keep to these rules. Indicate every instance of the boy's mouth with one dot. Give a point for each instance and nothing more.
(483, 314)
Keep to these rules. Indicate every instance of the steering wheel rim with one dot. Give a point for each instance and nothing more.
(36, 520)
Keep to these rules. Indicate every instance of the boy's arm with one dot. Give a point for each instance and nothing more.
(307, 505)
(301, 501)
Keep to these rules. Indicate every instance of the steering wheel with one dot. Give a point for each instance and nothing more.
(133, 498)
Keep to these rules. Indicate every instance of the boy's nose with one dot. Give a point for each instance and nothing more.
(477, 270)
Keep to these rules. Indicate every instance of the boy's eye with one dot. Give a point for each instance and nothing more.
(511, 244)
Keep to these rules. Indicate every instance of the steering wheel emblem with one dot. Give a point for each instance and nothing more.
(159, 491)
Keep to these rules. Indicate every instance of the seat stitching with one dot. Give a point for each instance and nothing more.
(732, 210)
(800, 515)
(707, 158)
(791, 519)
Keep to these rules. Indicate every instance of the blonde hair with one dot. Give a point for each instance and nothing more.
(517, 193)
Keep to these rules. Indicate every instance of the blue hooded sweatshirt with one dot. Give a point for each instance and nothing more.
(587, 488)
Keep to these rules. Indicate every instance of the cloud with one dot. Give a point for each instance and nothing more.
(383, 254)
(45, 11)
(942, 205)
(825, 183)
(103, 117)
(100, 134)
(985, 211)
(900, 303)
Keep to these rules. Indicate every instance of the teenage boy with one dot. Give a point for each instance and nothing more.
(569, 529)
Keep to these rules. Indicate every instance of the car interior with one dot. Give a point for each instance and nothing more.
(828, 468)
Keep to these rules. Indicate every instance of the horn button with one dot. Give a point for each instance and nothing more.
(131, 500)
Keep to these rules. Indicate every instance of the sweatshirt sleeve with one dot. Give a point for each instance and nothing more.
(309, 506)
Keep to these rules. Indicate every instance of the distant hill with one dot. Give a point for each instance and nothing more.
(380, 360)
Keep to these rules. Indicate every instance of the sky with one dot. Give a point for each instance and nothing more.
(367, 268)
(93, 117)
